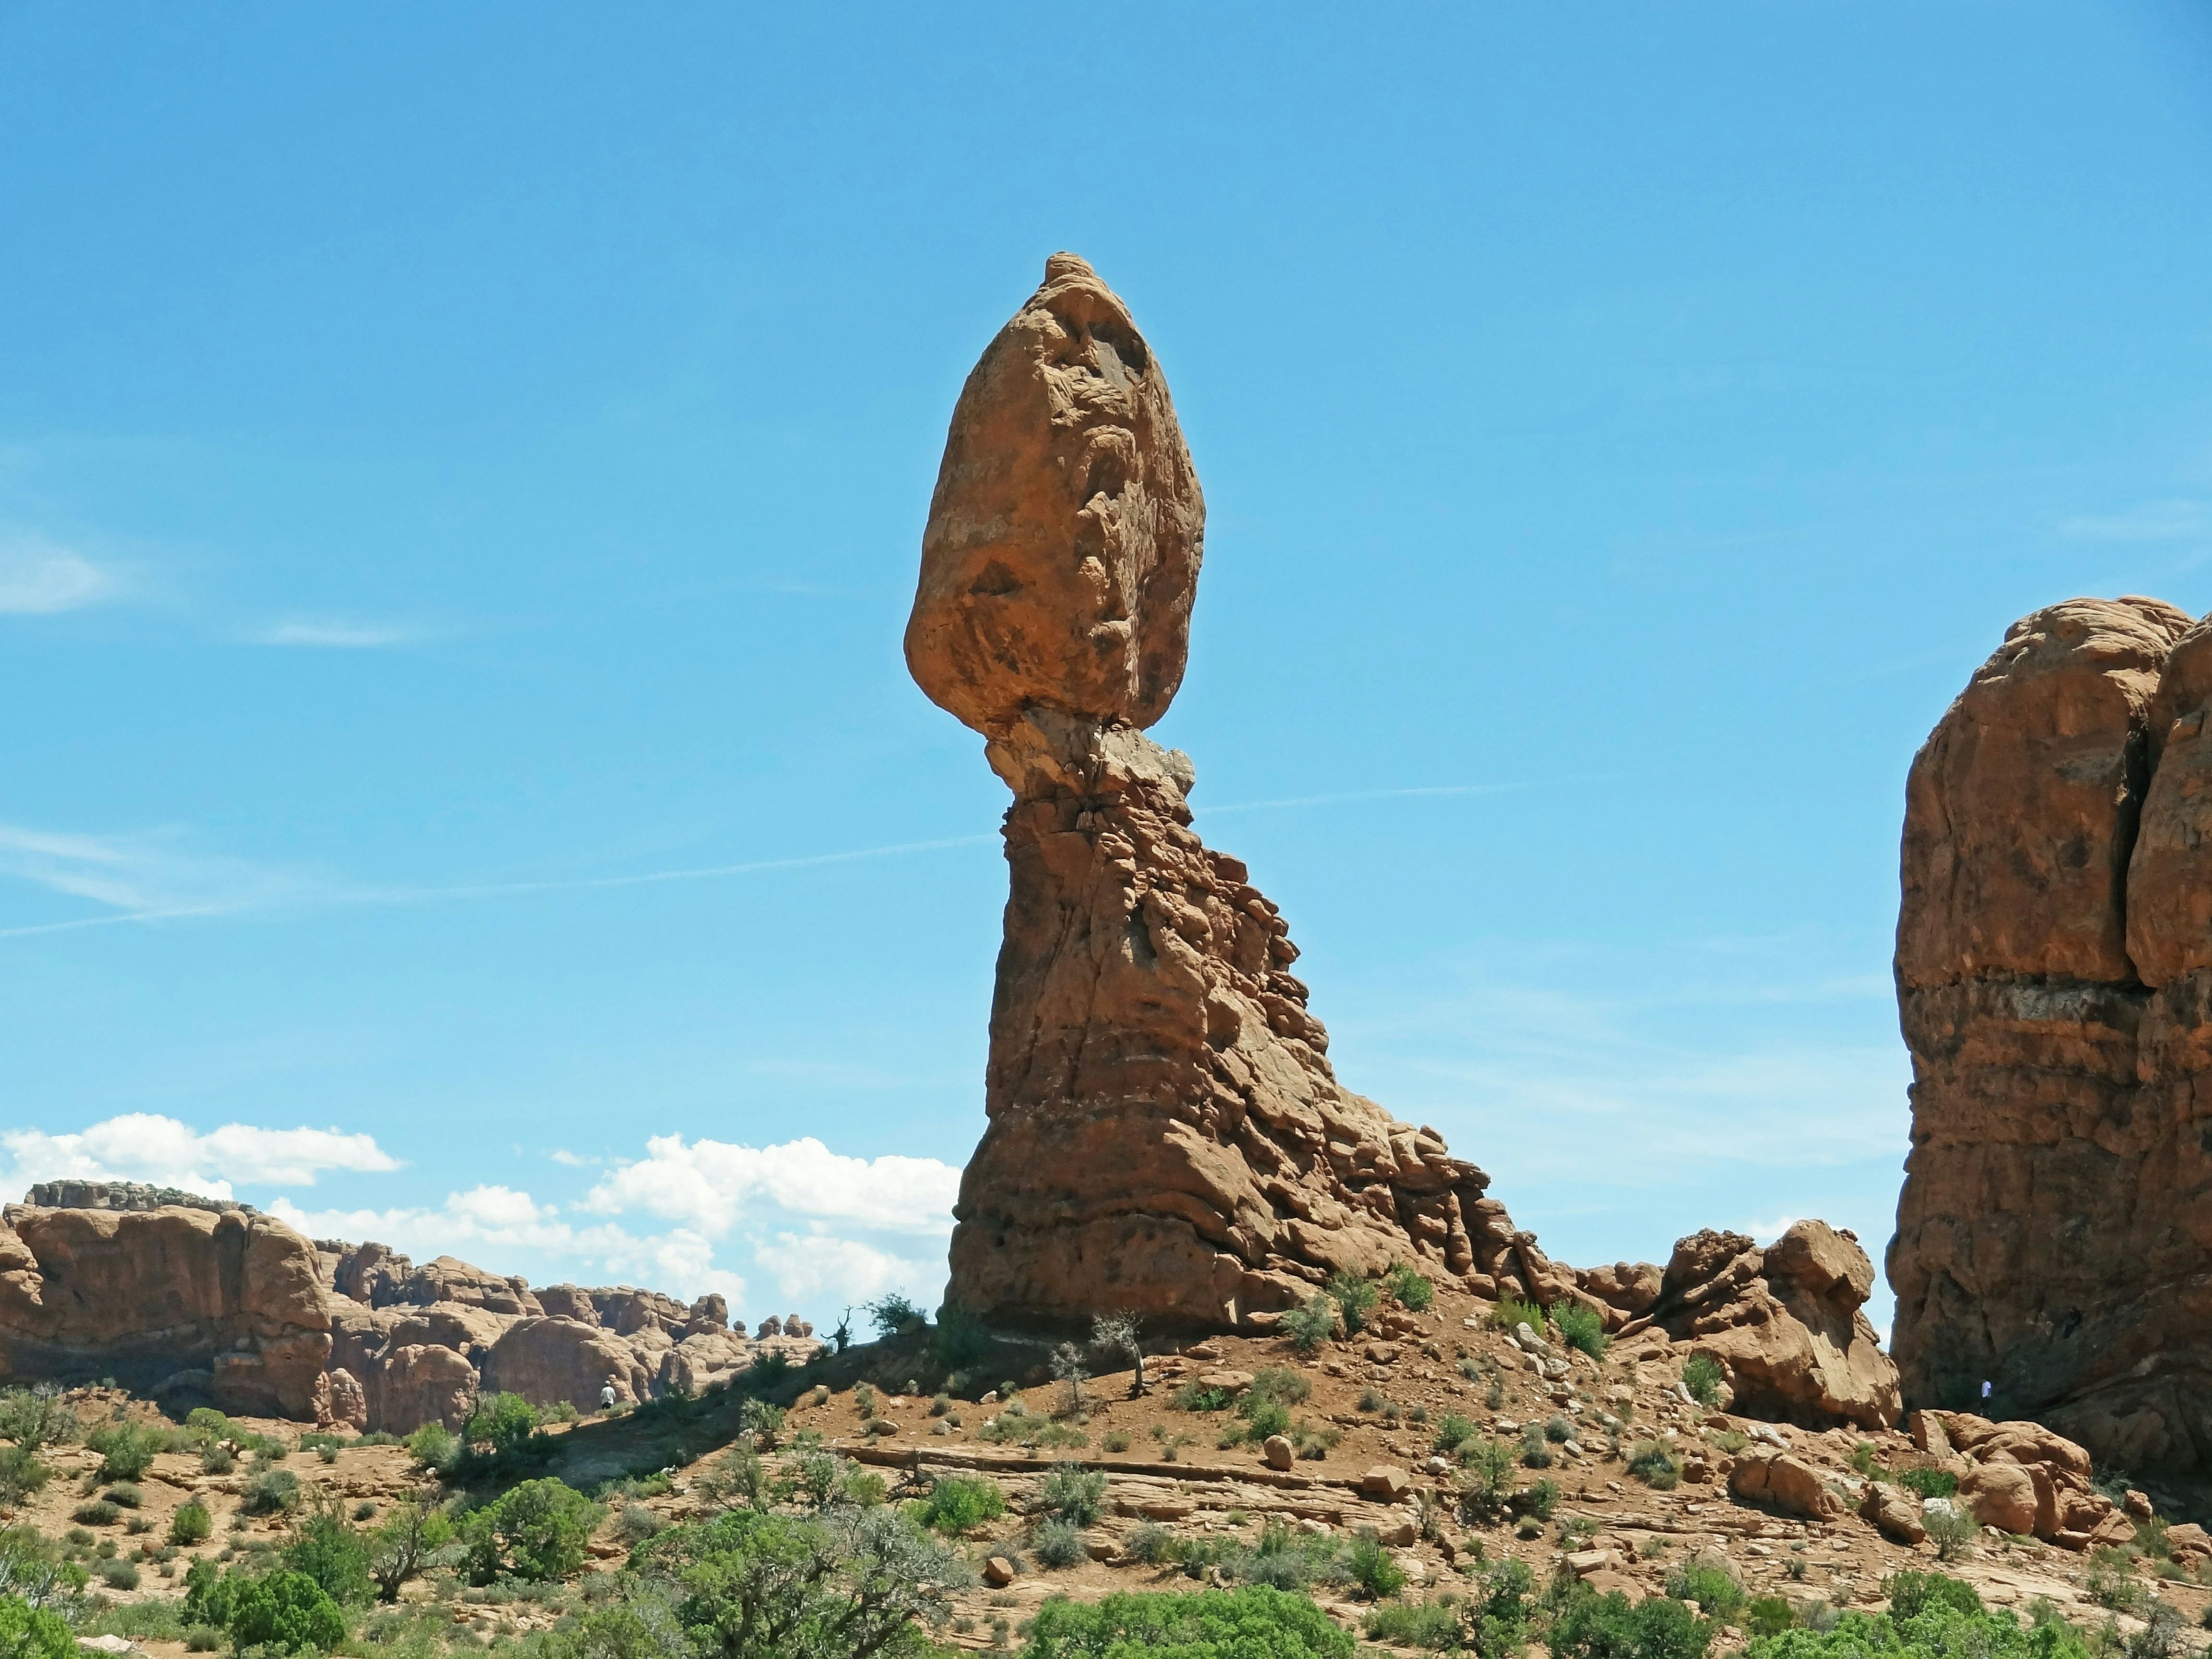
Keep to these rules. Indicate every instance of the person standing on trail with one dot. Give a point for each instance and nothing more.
(607, 1395)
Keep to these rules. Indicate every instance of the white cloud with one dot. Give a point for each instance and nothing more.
(338, 634)
(143, 1147)
(818, 1271)
(38, 579)
(716, 1185)
(2153, 521)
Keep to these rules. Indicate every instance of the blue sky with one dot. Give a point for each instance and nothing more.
(461, 475)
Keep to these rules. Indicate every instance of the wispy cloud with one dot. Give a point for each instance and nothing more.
(146, 1146)
(40, 579)
(339, 633)
(711, 1185)
(2171, 520)
(146, 874)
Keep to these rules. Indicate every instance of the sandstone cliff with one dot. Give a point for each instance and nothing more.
(224, 1303)
(2054, 957)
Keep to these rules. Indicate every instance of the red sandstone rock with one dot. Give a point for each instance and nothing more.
(1166, 1133)
(2054, 970)
(547, 1361)
(1781, 1482)
(143, 1294)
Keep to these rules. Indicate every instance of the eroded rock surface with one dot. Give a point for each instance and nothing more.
(226, 1303)
(1166, 1133)
(1786, 1323)
(2054, 958)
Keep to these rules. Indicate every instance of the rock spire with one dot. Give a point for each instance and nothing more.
(1165, 1131)
(2054, 980)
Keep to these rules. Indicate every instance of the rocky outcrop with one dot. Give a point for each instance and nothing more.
(2054, 975)
(2022, 1478)
(1165, 1131)
(1783, 1323)
(226, 1303)
(125, 1195)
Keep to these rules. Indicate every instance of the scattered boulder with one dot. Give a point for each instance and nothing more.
(1387, 1482)
(2054, 974)
(2002, 1495)
(1278, 1452)
(1896, 1512)
(1784, 1481)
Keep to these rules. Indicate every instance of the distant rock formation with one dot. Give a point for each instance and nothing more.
(125, 1195)
(224, 1304)
(1166, 1133)
(2054, 978)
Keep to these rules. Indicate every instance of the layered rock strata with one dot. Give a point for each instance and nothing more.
(2054, 976)
(1165, 1131)
(225, 1304)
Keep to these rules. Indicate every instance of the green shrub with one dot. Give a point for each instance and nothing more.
(1453, 1431)
(126, 1450)
(1355, 1298)
(1369, 1566)
(1280, 1382)
(1535, 1451)
(535, 1531)
(287, 1611)
(1911, 1594)
(1057, 1543)
(1255, 1621)
(1486, 1476)
(217, 1460)
(118, 1575)
(1075, 1494)
(1540, 1500)
(1511, 1313)
(1559, 1430)
(333, 1553)
(1309, 1324)
(501, 1423)
(1262, 1416)
(125, 1496)
(21, 1474)
(895, 1314)
(1410, 1288)
(1929, 1482)
(434, 1446)
(1702, 1376)
(1414, 1625)
(1592, 1627)
(190, 1524)
(270, 1491)
(1937, 1630)
(959, 1503)
(1652, 1462)
(1710, 1583)
(1768, 1615)
(1951, 1529)
(151, 1620)
(1582, 1327)
(96, 1512)
(35, 1417)
(29, 1632)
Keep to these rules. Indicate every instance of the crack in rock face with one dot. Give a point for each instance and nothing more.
(1166, 1133)
(2054, 952)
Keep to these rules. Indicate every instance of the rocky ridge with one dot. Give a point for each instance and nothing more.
(2054, 957)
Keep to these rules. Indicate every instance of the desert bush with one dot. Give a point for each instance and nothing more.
(502, 1423)
(414, 1538)
(270, 1491)
(535, 1531)
(1309, 1324)
(1540, 1500)
(1911, 1594)
(638, 1523)
(1511, 1312)
(434, 1446)
(1369, 1566)
(895, 1313)
(35, 1417)
(1702, 1376)
(1057, 1543)
(21, 1474)
(959, 1503)
(328, 1550)
(1453, 1431)
(217, 1459)
(190, 1524)
(1193, 1397)
(1535, 1451)
(96, 1512)
(1073, 1493)
(1928, 1481)
(1410, 1288)
(118, 1575)
(1708, 1582)
(1150, 1544)
(1487, 1473)
(1281, 1382)
(1559, 1430)
(126, 1450)
(1414, 1625)
(1582, 1327)
(1654, 1463)
(125, 1496)
(1355, 1298)
(1593, 1627)
(1951, 1529)
(1251, 1620)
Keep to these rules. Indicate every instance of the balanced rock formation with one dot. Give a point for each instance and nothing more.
(2054, 976)
(1785, 1323)
(1166, 1133)
(224, 1304)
